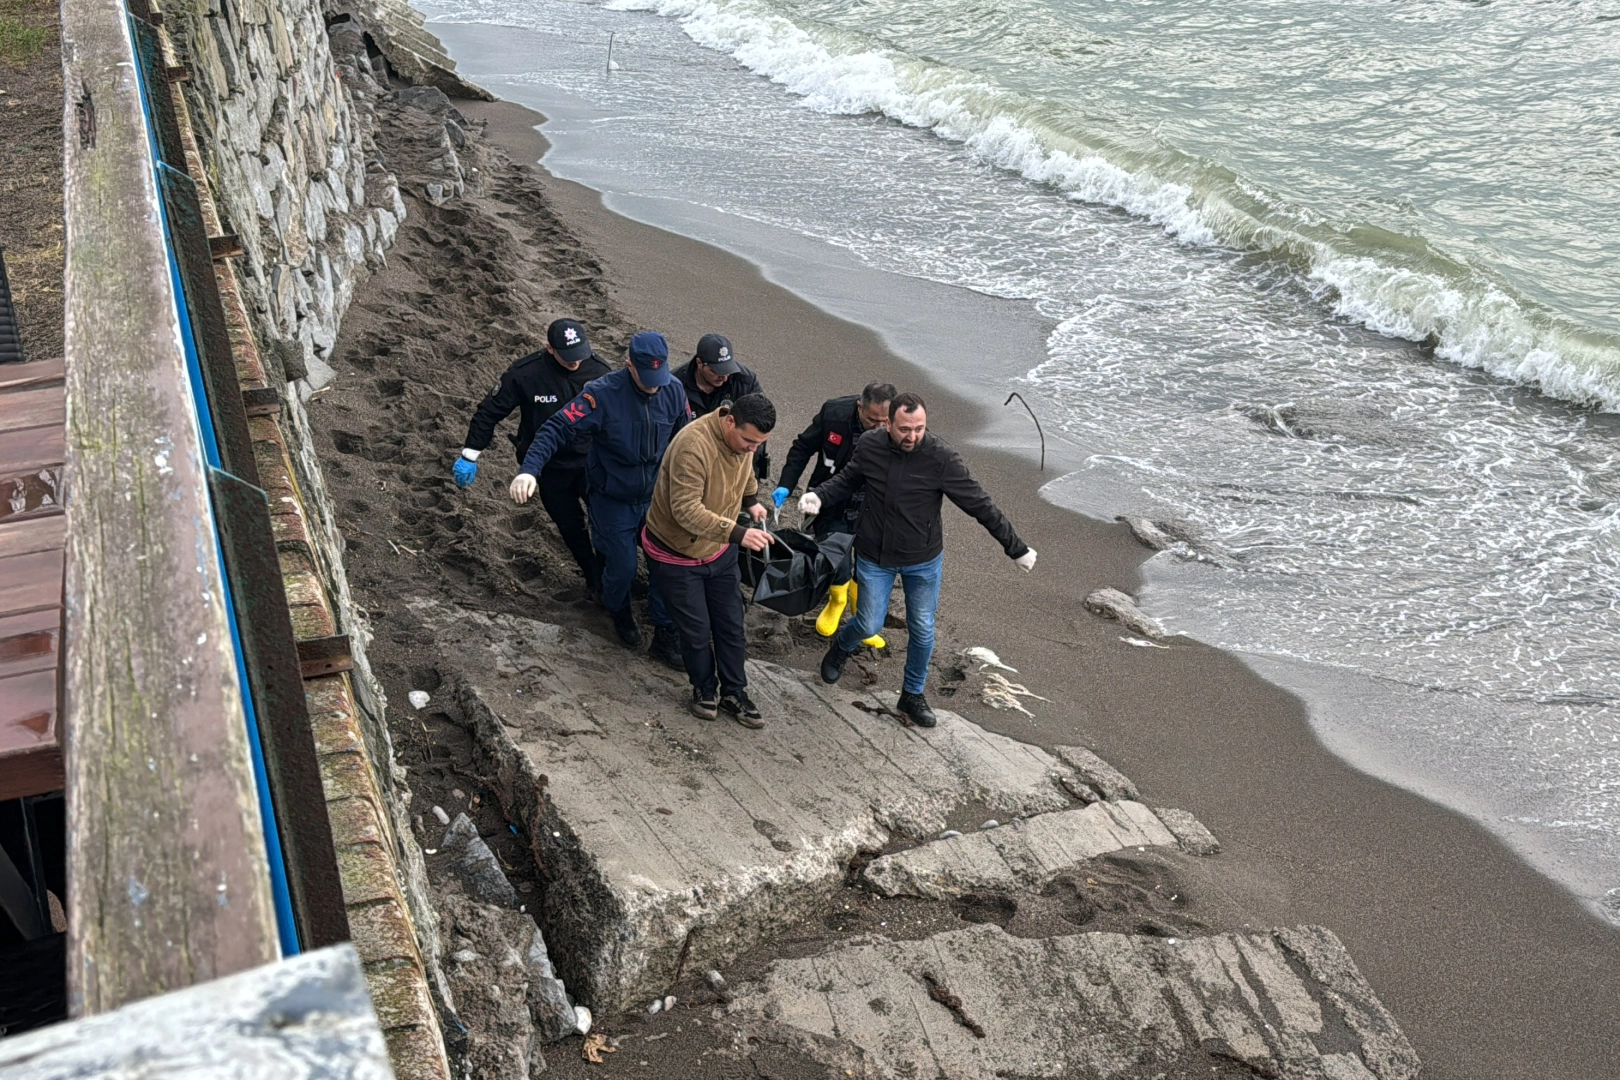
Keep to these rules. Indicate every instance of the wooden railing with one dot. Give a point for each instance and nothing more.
(185, 717)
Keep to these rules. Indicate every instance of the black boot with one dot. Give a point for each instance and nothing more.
(832, 665)
(916, 707)
(625, 624)
(666, 647)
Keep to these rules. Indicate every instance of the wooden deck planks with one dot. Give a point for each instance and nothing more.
(33, 536)
(27, 712)
(31, 567)
(34, 373)
(30, 582)
(31, 641)
(33, 406)
(27, 449)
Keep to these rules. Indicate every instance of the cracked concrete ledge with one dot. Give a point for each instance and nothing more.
(1106, 780)
(1022, 854)
(977, 1004)
(1189, 832)
(400, 33)
(671, 843)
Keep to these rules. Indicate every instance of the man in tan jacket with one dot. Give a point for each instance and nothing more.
(691, 540)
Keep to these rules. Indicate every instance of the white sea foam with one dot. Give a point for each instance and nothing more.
(1482, 328)
(955, 105)
(1475, 323)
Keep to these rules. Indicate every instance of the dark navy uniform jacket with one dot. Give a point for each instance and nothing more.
(628, 430)
(537, 386)
(704, 402)
(828, 441)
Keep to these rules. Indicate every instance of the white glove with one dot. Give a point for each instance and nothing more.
(809, 504)
(1026, 561)
(524, 485)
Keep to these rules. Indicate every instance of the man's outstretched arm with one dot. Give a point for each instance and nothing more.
(579, 417)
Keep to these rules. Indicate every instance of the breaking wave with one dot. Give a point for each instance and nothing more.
(1394, 283)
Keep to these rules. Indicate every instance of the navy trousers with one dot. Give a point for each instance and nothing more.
(563, 493)
(615, 527)
(707, 606)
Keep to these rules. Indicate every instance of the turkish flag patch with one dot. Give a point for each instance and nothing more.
(835, 438)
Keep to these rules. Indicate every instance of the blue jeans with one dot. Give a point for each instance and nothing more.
(614, 529)
(921, 583)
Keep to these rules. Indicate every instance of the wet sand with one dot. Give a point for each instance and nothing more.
(1493, 970)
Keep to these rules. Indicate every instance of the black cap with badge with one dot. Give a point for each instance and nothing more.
(567, 339)
(715, 352)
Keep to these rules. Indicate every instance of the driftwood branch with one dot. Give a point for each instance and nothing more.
(1032, 416)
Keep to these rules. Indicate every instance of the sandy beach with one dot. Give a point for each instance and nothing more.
(1493, 970)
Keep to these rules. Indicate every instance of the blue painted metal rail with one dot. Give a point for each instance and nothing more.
(305, 886)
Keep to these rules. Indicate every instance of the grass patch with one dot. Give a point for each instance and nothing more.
(20, 38)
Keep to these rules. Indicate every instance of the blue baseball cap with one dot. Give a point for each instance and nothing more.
(650, 353)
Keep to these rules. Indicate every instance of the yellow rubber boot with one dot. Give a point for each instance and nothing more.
(838, 598)
(876, 641)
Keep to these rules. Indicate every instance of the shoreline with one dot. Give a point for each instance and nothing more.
(1301, 827)
(1523, 771)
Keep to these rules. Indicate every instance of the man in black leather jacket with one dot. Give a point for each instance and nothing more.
(906, 473)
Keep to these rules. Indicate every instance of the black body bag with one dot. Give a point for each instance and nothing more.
(792, 575)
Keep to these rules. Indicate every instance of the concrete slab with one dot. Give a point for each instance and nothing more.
(1093, 770)
(1190, 833)
(669, 840)
(1023, 854)
(977, 1004)
(307, 1018)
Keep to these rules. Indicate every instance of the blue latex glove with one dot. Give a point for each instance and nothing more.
(779, 496)
(464, 472)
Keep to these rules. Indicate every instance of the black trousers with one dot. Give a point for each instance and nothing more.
(706, 604)
(562, 493)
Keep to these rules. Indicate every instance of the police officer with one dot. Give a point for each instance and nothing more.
(713, 378)
(538, 385)
(629, 415)
(830, 440)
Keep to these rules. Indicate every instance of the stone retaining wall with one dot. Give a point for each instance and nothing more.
(290, 158)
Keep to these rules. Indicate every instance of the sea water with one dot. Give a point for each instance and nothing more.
(1330, 287)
